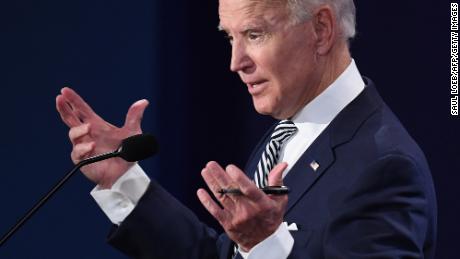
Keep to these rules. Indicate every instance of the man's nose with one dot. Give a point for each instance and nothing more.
(240, 58)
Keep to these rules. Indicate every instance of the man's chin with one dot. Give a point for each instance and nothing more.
(262, 109)
(270, 110)
(265, 109)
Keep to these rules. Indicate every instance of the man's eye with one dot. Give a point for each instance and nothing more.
(254, 35)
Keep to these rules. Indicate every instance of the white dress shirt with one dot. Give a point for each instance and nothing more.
(119, 201)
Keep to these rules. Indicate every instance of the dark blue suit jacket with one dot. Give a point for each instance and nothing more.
(372, 196)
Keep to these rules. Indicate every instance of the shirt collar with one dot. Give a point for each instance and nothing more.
(323, 108)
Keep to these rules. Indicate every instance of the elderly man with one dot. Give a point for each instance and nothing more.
(360, 186)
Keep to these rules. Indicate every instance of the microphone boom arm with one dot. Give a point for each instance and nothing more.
(134, 148)
(56, 187)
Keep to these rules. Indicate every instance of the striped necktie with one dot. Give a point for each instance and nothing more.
(282, 132)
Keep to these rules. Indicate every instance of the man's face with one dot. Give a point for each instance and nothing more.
(275, 59)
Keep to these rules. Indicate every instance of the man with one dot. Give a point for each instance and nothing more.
(360, 186)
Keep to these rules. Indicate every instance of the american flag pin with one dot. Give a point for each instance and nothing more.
(314, 165)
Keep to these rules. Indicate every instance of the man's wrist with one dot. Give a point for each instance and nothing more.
(277, 246)
(120, 200)
(109, 182)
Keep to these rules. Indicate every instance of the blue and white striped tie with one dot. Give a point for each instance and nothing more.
(282, 132)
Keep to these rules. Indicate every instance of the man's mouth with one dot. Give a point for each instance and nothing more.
(256, 87)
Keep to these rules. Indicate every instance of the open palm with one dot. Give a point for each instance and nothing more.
(91, 135)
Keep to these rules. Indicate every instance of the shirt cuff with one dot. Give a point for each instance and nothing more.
(277, 246)
(119, 201)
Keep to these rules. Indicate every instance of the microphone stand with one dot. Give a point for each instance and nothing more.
(56, 187)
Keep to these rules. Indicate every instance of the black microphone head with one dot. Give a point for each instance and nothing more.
(138, 147)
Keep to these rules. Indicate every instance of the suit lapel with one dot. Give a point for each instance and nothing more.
(303, 175)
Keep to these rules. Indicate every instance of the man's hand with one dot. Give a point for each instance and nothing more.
(91, 135)
(250, 218)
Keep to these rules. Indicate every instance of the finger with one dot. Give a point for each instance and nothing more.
(215, 186)
(78, 105)
(211, 206)
(275, 177)
(66, 113)
(81, 151)
(220, 175)
(76, 133)
(134, 116)
(247, 187)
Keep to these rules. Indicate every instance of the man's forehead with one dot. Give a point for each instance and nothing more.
(251, 9)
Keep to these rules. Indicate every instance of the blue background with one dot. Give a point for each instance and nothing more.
(116, 52)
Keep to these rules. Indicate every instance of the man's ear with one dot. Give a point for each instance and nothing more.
(325, 26)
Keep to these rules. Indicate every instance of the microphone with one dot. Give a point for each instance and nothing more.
(132, 149)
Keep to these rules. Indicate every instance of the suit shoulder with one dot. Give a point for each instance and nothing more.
(385, 136)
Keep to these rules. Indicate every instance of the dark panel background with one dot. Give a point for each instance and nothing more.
(115, 52)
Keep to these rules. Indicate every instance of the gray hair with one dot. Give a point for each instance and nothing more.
(344, 9)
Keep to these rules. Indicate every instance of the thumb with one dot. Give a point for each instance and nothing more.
(275, 177)
(134, 116)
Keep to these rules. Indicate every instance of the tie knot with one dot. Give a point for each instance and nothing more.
(283, 131)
